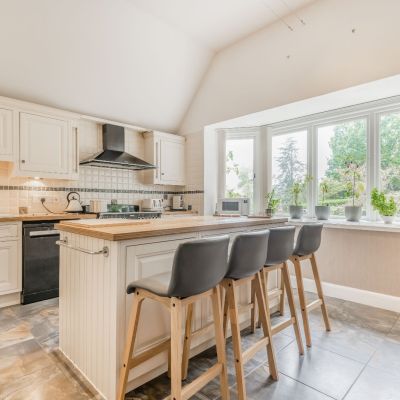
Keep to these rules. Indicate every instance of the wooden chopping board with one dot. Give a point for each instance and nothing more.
(109, 222)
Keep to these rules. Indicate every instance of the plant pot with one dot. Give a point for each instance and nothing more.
(322, 212)
(387, 219)
(353, 213)
(269, 212)
(296, 212)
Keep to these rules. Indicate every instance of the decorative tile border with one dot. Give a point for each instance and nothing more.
(97, 190)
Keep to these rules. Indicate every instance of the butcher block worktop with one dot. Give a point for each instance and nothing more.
(43, 217)
(133, 229)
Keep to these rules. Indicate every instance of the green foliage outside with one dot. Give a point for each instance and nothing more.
(348, 145)
(245, 176)
(385, 206)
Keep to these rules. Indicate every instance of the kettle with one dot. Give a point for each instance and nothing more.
(74, 205)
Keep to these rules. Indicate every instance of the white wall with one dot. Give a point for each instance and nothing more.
(99, 57)
(255, 74)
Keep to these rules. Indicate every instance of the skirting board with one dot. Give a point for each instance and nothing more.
(366, 297)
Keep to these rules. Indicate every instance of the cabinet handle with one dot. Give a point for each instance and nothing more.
(162, 173)
(22, 161)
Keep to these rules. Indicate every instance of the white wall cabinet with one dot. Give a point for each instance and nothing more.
(11, 263)
(167, 153)
(6, 135)
(48, 147)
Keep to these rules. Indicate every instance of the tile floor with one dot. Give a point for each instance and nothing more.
(358, 360)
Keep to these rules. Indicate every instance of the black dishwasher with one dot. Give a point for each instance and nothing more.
(40, 264)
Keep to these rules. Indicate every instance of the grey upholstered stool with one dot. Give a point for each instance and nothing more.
(308, 242)
(248, 254)
(198, 268)
(280, 248)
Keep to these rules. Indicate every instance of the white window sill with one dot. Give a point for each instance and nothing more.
(378, 226)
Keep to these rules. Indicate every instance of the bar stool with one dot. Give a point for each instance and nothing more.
(198, 268)
(308, 242)
(280, 248)
(246, 260)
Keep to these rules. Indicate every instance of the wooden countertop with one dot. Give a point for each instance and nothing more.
(162, 227)
(43, 217)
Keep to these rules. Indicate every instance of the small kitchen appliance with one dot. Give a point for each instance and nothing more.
(177, 203)
(238, 206)
(74, 204)
(152, 204)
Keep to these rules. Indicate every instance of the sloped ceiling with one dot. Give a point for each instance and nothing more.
(134, 61)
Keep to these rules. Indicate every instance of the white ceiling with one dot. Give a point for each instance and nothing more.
(219, 23)
(133, 61)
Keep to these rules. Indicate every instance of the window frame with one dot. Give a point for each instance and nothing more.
(241, 134)
(371, 112)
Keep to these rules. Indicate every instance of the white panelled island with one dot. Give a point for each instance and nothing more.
(98, 258)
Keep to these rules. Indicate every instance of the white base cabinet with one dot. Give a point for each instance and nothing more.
(10, 263)
(95, 310)
(167, 153)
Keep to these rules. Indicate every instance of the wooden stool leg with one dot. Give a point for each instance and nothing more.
(187, 340)
(263, 305)
(225, 313)
(236, 340)
(176, 349)
(264, 281)
(253, 322)
(303, 304)
(320, 292)
(282, 296)
(286, 280)
(130, 342)
(220, 342)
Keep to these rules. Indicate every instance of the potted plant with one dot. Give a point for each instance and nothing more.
(355, 189)
(387, 208)
(271, 203)
(323, 211)
(296, 209)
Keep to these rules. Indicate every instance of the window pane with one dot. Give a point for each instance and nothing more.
(338, 145)
(289, 164)
(240, 168)
(389, 130)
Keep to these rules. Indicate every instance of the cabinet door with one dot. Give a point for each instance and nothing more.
(44, 145)
(172, 162)
(8, 266)
(6, 135)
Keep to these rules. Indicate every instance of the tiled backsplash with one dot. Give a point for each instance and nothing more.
(125, 186)
(95, 183)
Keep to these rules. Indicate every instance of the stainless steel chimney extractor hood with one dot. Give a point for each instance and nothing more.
(114, 155)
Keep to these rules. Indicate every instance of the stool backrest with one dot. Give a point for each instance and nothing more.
(280, 245)
(248, 254)
(198, 266)
(308, 239)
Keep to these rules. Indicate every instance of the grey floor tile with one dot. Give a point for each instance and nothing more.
(320, 369)
(259, 386)
(387, 358)
(374, 384)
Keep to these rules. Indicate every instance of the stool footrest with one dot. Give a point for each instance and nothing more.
(282, 325)
(150, 353)
(250, 352)
(193, 387)
(314, 304)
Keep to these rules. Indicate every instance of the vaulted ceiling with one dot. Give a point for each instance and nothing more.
(136, 61)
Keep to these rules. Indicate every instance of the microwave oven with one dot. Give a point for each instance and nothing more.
(239, 206)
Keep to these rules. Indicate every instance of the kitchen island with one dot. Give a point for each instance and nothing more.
(98, 260)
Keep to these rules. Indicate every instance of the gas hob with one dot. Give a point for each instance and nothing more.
(131, 215)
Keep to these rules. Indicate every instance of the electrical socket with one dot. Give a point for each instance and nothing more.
(43, 200)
